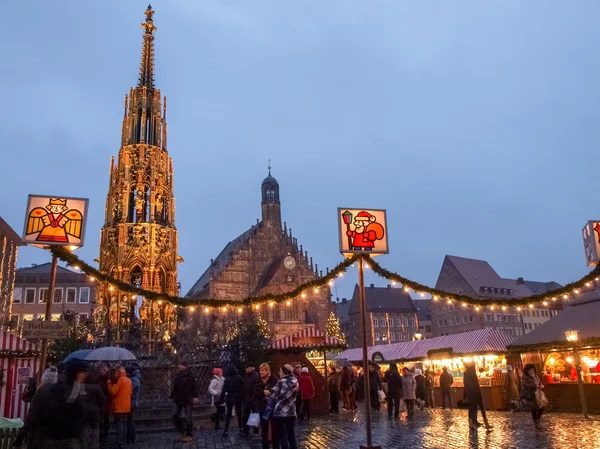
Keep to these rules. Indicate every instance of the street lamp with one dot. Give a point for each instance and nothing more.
(573, 336)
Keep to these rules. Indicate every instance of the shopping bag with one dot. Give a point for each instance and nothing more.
(268, 411)
(402, 406)
(253, 420)
(540, 399)
(381, 395)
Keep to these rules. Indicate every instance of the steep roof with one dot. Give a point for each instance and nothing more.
(542, 287)
(10, 232)
(220, 262)
(385, 299)
(583, 316)
(45, 269)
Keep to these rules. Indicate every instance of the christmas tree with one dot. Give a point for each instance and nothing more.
(333, 328)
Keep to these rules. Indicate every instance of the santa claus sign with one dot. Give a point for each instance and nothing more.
(363, 231)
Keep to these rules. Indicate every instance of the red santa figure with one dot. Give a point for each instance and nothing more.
(366, 232)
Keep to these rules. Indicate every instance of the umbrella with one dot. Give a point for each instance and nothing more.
(343, 362)
(77, 355)
(110, 354)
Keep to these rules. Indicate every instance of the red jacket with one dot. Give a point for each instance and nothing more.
(306, 385)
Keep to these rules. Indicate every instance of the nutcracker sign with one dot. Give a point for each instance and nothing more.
(55, 221)
(591, 242)
(363, 231)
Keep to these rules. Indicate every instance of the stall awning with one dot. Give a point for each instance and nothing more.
(306, 338)
(11, 342)
(474, 342)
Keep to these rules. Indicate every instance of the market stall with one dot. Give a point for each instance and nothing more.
(559, 346)
(484, 347)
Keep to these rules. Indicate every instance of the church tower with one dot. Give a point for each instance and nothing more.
(271, 207)
(138, 243)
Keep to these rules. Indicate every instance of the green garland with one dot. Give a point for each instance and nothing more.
(437, 294)
(71, 259)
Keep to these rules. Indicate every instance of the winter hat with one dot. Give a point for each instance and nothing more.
(365, 216)
(418, 372)
(218, 372)
(287, 369)
(50, 376)
(305, 370)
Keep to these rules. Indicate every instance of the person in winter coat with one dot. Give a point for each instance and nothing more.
(94, 400)
(215, 389)
(360, 386)
(333, 385)
(184, 394)
(284, 413)
(374, 386)
(307, 390)
(511, 388)
(394, 382)
(102, 381)
(446, 381)
(135, 376)
(473, 397)
(421, 391)
(430, 387)
(251, 379)
(232, 395)
(121, 391)
(297, 372)
(347, 385)
(265, 385)
(409, 391)
(531, 385)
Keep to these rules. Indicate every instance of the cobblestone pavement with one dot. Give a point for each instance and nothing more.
(446, 429)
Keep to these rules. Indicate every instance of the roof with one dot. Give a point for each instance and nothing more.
(10, 232)
(423, 309)
(45, 268)
(220, 262)
(306, 338)
(479, 273)
(385, 299)
(269, 179)
(480, 341)
(342, 310)
(583, 316)
(11, 342)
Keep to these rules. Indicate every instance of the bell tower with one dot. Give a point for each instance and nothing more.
(138, 242)
(270, 204)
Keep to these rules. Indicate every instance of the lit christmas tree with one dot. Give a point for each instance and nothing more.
(263, 327)
(333, 328)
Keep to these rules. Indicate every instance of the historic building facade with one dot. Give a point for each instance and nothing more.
(9, 250)
(138, 242)
(267, 259)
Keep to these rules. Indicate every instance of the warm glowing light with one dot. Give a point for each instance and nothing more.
(111, 288)
(239, 310)
(303, 295)
(206, 310)
(73, 247)
(566, 296)
(449, 301)
(435, 298)
(316, 289)
(576, 291)
(588, 284)
(531, 306)
(271, 304)
(330, 283)
(224, 309)
(464, 304)
(192, 308)
(569, 359)
(257, 307)
(467, 360)
(421, 294)
(132, 296)
(477, 308)
(493, 307)
(553, 299)
(341, 274)
(393, 282)
(76, 267)
(159, 303)
(92, 278)
(519, 308)
(406, 289)
(551, 361)
(367, 266)
(572, 335)
(503, 307)
(545, 303)
(289, 303)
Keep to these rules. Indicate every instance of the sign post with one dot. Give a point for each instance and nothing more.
(53, 221)
(363, 231)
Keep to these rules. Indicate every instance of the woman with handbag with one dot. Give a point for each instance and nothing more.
(264, 386)
(533, 394)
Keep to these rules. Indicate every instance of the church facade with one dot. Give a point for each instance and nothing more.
(138, 243)
(267, 259)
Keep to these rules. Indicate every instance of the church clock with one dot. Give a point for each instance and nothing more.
(289, 262)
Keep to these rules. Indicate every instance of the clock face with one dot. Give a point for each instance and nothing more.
(289, 262)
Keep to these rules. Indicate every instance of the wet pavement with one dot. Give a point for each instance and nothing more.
(430, 429)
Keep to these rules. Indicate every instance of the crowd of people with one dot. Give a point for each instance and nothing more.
(72, 406)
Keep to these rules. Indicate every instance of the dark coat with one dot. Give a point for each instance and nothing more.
(102, 381)
(94, 402)
(184, 388)
(333, 382)
(374, 382)
(446, 381)
(250, 381)
(233, 387)
(421, 390)
(260, 400)
(471, 385)
(394, 382)
(346, 379)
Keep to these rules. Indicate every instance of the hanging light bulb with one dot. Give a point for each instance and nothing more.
(477, 308)
(406, 289)
(289, 303)
(464, 304)
(393, 282)
(224, 309)
(206, 309)
(92, 278)
(576, 291)
(316, 289)
(192, 308)
(421, 294)
(493, 307)
(330, 283)
(531, 306)
(519, 308)
(503, 307)
(239, 310)
(435, 298)
(111, 288)
(257, 307)
(271, 304)
(545, 303)
(303, 295)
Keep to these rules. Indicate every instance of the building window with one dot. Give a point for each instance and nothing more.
(58, 296)
(470, 318)
(377, 336)
(505, 318)
(14, 319)
(17, 295)
(28, 317)
(43, 295)
(393, 336)
(411, 322)
(71, 295)
(398, 322)
(84, 295)
(445, 323)
(55, 317)
(457, 321)
(375, 322)
(486, 317)
(444, 309)
(464, 319)
(29, 295)
(439, 323)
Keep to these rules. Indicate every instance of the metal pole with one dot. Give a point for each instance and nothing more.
(118, 318)
(363, 313)
(584, 408)
(48, 316)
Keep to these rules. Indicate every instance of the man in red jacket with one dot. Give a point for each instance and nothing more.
(307, 390)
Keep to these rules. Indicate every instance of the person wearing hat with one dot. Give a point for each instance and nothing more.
(284, 412)
(215, 389)
(251, 379)
(307, 390)
(134, 373)
(232, 395)
(184, 394)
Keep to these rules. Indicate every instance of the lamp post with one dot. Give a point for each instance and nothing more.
(573, 336)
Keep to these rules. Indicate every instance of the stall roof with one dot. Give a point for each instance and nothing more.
(289, 341)
(582, 316)
(473, 342)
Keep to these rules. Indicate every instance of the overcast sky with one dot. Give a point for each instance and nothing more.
(475, 124)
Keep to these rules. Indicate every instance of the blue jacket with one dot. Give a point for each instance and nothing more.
(136, 384)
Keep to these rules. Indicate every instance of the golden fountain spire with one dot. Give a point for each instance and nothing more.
(146, 78)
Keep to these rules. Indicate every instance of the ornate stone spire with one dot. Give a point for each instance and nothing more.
(147, 61)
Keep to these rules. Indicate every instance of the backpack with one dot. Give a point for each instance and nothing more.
(29, 391)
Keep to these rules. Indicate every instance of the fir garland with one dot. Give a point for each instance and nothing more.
(71, 259)
(554, 295)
